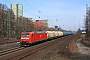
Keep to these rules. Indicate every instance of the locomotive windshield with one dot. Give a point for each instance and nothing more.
(25, 34)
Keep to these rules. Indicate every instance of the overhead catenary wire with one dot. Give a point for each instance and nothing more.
(31, 13)
(36, 9)
(8, 1)
(32, 6)
(24, 9)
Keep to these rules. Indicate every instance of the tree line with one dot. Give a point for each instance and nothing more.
(16, 25)
(87, 22)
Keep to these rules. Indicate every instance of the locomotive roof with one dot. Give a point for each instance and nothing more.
(38, 31)
(34, 31)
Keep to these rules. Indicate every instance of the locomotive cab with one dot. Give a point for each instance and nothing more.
(25, 38)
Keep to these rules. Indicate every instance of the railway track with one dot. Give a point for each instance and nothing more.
(29, 51)
(4, 52)
(34, 50)
(8, 42)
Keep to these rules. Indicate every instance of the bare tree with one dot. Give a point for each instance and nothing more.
(3, 19)
(87, 22)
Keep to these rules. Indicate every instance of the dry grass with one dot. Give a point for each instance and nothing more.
(74, 54)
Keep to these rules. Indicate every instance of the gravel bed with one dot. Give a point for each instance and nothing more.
(84, 52)
(8, 46)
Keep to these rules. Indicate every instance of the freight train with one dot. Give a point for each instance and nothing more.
(28, 38)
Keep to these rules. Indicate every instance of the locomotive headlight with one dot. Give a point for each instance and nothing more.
(27, 38)
(22, 38)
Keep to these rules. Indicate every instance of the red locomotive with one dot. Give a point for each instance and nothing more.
(28, 38)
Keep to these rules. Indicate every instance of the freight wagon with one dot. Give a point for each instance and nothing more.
(67, 33)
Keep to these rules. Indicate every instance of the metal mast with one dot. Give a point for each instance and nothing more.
(8, 24)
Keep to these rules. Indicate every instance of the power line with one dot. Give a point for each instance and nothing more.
(32, 6)
(32, 13)
(35, 8)
(8, 1)
(26, 10)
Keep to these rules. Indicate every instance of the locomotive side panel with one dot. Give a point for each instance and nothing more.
(39, 36)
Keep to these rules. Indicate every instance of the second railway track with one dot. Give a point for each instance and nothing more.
(31, 51)
(4, 52)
